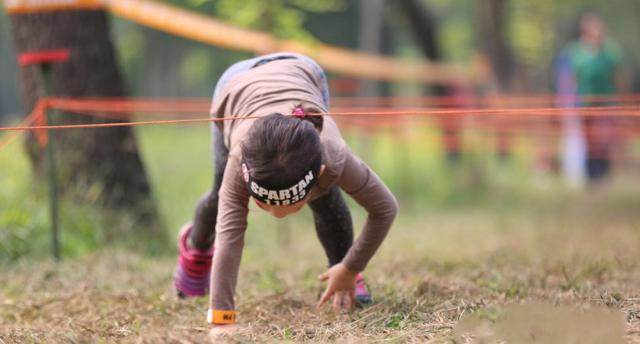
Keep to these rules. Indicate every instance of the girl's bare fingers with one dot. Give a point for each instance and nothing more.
(337, 301)
(341, 301)
(325, 297)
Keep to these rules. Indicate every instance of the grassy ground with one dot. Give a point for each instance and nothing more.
(447, 266)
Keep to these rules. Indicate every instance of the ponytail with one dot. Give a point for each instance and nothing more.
(316, 120)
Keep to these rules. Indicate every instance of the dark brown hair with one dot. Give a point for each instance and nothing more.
(279, 150)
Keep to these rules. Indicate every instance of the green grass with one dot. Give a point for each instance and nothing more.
(180, 166)
(24, 217)
(472, 239)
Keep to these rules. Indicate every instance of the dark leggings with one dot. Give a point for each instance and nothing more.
(330, 213)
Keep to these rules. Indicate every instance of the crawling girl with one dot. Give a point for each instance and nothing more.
(289, 157)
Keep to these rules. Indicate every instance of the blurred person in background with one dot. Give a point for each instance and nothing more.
(587, 67)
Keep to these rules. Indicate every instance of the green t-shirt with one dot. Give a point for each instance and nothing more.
(595, 70)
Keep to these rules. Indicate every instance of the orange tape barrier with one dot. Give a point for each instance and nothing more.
(93, 106)
(27, 122)
(195, 105)
(35, 6)
(488, 101)
(200, 105)
(208, 30)
(190, 25)
(539, 121)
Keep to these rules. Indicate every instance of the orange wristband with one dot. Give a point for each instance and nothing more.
(219, 317)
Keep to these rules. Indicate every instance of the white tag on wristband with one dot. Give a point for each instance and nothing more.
(210, 316)
(221, 317)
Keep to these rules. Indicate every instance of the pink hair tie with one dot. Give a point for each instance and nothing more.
(299, 112)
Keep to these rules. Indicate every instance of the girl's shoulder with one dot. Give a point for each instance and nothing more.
(233, 167)
(334, 153)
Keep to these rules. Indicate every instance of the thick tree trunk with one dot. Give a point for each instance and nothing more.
(90, 159)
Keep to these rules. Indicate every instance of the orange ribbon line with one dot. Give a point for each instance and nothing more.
(612, 111)
(33, 117)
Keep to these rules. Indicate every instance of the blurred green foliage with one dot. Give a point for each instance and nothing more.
(412, 164)
(283, 18)
(179, 162)
(537, 30)
(157, 64)
(24, 228)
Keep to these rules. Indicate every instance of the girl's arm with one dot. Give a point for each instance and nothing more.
(366, 188)
(229, 242)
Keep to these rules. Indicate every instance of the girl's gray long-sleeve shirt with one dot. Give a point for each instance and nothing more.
(280, 86)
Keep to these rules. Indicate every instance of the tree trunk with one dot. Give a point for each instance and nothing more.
(9, 105)
(492, 39)
(89, 159)
(371, 23)
(425, 31)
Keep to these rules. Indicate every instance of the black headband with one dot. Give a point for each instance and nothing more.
(282, 195)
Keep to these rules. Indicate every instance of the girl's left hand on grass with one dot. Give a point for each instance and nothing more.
(341, 285)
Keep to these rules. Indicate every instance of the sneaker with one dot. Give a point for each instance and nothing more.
(363, 296)
(193, 269)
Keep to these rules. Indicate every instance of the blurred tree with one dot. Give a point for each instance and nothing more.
(528, 27)
(424, 25)
(9, 103)
(492, 16)
(370, 39)
(99, 165)
(492, 19)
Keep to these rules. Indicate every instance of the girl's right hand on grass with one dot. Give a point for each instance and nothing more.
(341, 285)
